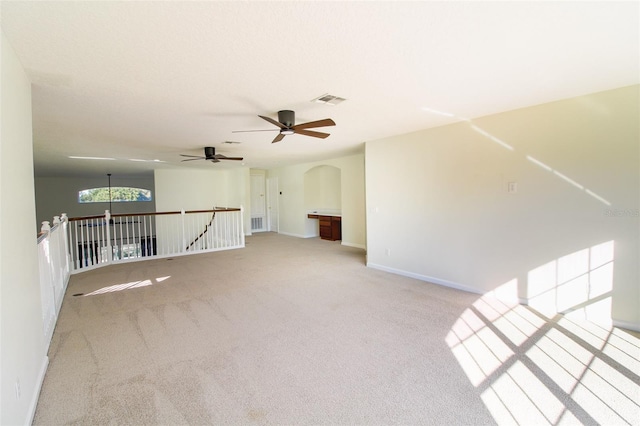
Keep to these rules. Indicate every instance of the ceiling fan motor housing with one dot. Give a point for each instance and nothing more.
(209, 152)
(287, 117)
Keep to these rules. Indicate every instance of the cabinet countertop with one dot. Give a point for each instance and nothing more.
(315, 215)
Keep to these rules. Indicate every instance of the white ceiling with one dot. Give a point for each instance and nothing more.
(152, 80)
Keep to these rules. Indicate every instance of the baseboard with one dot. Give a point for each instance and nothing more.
(36, 393)
(426, 278)
(360, 246)
(616, 323)
(628, 325)
(296, 235)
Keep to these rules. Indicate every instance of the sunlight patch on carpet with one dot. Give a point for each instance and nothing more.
(534, 369)
(127, 286)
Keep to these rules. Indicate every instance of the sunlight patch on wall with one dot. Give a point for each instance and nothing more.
(533, 160)
(491, 137)
(578, 284)
(567, 179)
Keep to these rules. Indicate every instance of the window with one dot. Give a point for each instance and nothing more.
(119, 194)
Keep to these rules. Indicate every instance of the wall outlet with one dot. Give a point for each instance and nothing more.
(512, 187)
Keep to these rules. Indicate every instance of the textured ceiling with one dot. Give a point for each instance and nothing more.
(152, 80)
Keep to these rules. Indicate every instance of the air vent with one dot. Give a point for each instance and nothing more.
(256, 223)
(328, 99)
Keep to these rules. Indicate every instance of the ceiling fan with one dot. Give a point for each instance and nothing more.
(286, 123)
(210, 155)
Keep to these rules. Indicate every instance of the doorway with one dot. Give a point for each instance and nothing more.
(273, 198)
(258, 204)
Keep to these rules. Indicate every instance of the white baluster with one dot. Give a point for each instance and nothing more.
(139, 244)
(45, 228)
(242, 226)
(107, 224)
(184, 240)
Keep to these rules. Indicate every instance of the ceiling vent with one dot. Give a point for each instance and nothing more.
(328, 99)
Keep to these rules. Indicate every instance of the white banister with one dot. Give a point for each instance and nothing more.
(97, 241)
(53, 265)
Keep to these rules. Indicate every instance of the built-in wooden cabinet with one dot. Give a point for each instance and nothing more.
(330, 226)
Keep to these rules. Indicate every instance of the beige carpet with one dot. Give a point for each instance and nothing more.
(284, 331)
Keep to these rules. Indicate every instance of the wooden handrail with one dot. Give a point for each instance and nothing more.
(217, 209)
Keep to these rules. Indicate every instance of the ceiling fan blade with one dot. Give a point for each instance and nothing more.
(193, 159)
(320, 123)
(214, 160)
(312, 133)
(278, 138)
(274, 122)
(247, 131)
(224, 157)
(194, 156)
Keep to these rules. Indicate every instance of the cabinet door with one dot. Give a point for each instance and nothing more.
(336, 228)
(325, 227)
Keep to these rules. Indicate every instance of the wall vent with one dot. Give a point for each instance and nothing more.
(256, 223)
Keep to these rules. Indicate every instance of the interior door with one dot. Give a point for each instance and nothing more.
(272, 204)
(258, 204)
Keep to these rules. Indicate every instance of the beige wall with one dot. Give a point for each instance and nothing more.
(56, 195)
(23, 359)
(438, 206)
(202, 190)
(323, 189)
(293, 211)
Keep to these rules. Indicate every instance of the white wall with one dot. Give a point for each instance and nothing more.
(56, 195)
(323, 188)
(22, 346)
(293, 214)
(190, 189)
(438, 207)
(202, 190)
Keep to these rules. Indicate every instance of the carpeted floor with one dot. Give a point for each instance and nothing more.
(295, 331)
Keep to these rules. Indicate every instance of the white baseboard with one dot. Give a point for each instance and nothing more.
(426, 278)
(523, 301)
(628, 325)
(360, 246)
(36, 392)
(296, 235)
